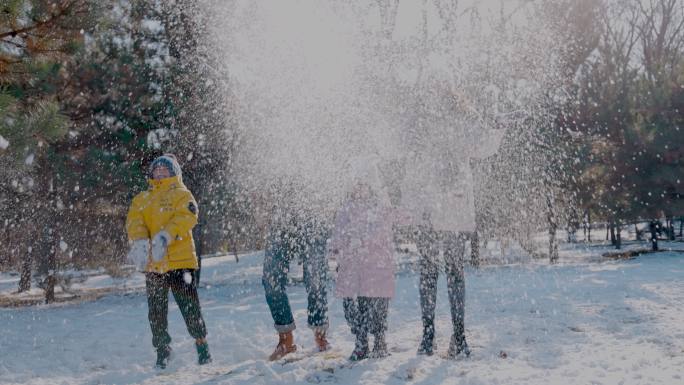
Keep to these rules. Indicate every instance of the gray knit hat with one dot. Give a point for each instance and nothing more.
(170, 162)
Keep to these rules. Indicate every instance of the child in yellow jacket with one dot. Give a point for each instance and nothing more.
(159, 226)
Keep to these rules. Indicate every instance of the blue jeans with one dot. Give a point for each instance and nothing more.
(284, 246)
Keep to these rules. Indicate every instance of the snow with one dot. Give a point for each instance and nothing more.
(583, 321)
(316, 86)
(4, 143)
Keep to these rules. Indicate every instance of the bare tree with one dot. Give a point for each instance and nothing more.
(661, 33)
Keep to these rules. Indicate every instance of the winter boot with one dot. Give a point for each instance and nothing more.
(203, 356)
(285, 346)
(360, 349)
(380, 346)
(321, 340)
(426, 345)
(457, 345)
(163, 357)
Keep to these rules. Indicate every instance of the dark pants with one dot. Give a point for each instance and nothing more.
(309, 249)
(366, 315)
(454, 254)
(185, 294)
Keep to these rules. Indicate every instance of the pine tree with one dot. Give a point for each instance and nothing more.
(37, 38)
(200, 117)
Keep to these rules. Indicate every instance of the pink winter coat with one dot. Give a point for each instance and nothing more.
(363, 239)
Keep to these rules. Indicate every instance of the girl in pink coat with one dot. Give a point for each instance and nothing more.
(362, 243)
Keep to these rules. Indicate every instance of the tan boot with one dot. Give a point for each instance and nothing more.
(285, 346)
(321, 342)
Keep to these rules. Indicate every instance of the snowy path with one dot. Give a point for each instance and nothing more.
(619, 322)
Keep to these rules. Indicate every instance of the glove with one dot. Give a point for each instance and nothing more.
(139, 253)
(160, 243)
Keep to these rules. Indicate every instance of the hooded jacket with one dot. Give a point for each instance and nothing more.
(363, 239)
(167, 205)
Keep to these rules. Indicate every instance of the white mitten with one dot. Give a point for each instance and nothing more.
(160, 243)
(139, 253)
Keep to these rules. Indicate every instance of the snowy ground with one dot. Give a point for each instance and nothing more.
(578, 322)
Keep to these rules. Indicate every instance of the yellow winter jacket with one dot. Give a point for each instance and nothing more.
(166, 205)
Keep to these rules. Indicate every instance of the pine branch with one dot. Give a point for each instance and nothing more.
(54, 17)
(18, 45)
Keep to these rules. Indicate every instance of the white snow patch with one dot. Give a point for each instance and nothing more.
(573, 322)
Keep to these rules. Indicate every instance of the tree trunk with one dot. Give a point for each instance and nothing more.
(653, 228)
(475, 249)
(637, 234)
(199, 239)
(51, 279)
(553, 245)
(589, 226)
(553, 227)
(233, 241)
(611, 227)
(618, 235)
(571, 233)
(667, 227)
(681, 227)
(25, 278)
(47, 256)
